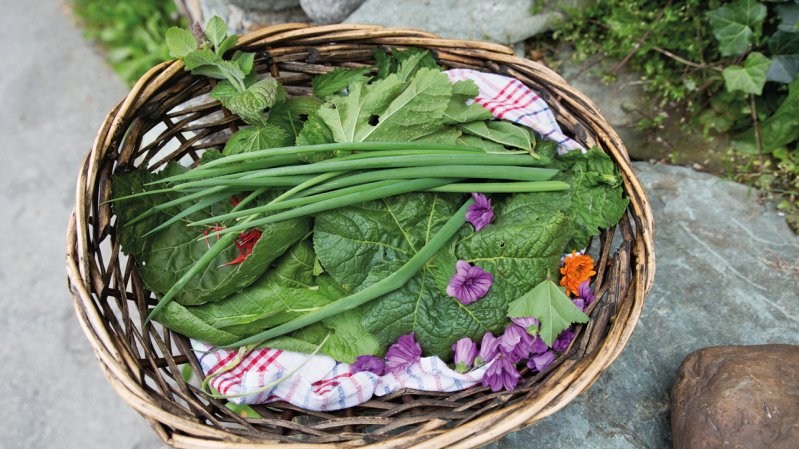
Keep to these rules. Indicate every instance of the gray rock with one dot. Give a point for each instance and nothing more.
(265, 5)
(726, 275)
(329, 11)
(505, 22)
(242, 16)
(56, 91)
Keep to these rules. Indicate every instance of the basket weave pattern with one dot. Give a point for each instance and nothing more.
(168, 116)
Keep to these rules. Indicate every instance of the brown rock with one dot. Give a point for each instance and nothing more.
(737, 397)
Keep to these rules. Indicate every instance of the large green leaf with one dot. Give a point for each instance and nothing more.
(751, 77)
(784, 48)
(457, 109)
(549, 304)
(389, 109)
(254, 138)
(779, 129)
(291, 115)
(166, 255)
(734, 25)
(361, 245)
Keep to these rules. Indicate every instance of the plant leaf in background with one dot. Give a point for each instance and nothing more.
(751, 77)
(776, 131)
(784, 47)
(551, 307)
(788, 14)
(734, 25)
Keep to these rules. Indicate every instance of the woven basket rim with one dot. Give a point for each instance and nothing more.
(571, 379)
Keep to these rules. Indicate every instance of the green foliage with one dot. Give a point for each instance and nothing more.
(727, 64)
(129, 31)
(548, 303)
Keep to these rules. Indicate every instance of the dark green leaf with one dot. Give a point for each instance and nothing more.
(734, 25)
(501, 132)
(551, 307)
(778, 130)
(291, 115)
(336, 81)
(789, 16)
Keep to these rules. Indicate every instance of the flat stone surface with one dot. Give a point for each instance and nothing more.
(726, 275)
(55, 91)
(505, 22)
(737, 397)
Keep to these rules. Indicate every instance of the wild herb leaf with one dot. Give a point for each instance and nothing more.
(250, 103)
(551, 307)
(228, 43)
(413, 58)
(215, 31)
(457, 110)
(751, 77)
(166, 255)
(361, 245)
(180, 42)
(291, 115)
(255, 138)
(336, 81)
(501, 132)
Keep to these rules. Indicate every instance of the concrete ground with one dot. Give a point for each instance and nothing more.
(55, 91)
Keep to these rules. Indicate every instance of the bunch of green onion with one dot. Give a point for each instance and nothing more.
(363, 171)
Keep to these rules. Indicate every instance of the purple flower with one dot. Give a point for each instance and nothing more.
(538, 346)
(564, 340)
(584, 291)
(515, 343)
(369, 363)
(402, 354)
(488, 349)
(579, 303)
(501, 373)
(480, 213)
(526, 322)
(465, 352)
(541, 361)
(469, 283)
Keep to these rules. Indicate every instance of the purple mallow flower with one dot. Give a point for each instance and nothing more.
(564, 340)
(515, 343)
(469, 283)
(465, 352)
(579, 303)
(538, 346)
(541, 361)
(480, 213)
(584, 292)
(488, 349)
(402, 354)
(501, 373)
(369, 363)
(526, 322)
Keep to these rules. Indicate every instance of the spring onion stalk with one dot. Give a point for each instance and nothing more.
(382, 162)
(296, 202)
(339, 201)
(502, 187)
(243, 166)
(342, 146)
(392, 282)
(202, 204)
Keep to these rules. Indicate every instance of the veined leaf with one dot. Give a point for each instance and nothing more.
(180, 42)
(457, 110)
(501, 132)
(751, 77)
(734, 25)
(215, 31)
(255, 138)
(551, 307)
(336, 81)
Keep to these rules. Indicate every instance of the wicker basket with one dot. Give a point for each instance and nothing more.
(142, 363)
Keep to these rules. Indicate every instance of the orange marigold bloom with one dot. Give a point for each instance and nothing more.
(577, 268)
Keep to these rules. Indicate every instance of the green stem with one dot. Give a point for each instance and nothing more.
(502, 187)
(387, 285)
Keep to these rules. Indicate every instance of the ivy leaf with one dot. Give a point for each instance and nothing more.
(779, 129)
(734, 25)
(254, 138)
(215, 31)
(180, 42)
(334, 82)
(789, 16)
(751, 77)
(784, 47)
(549, 305)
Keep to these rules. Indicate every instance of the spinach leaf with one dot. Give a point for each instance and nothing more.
(363, 244)
(164, 256)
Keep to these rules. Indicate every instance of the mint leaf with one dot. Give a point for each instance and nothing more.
(413, 59)
(501, 132)
(361, 245)
(550, 306)
(751, 77)
(180, 42)
(734, 25)
(163, 257)
(255, 138)
(334, 82)
(389, 110)
(251, 103)
(215, 31)
(201, 57)
(244, 61)
(228, 43)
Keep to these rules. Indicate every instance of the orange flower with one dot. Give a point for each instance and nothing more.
(577, 268)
